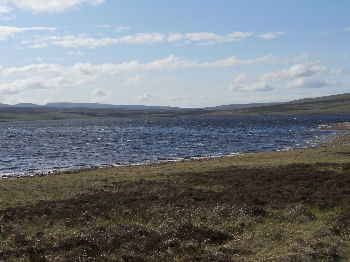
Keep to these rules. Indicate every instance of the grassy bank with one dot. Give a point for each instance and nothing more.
(279, 206)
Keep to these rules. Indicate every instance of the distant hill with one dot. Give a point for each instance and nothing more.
(86, 106)
(26, 105)
(98, 105)
(136, 107)
(335, 104)
(239, 106)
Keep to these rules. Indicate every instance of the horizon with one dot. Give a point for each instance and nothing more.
(142, 105)
(166, 53)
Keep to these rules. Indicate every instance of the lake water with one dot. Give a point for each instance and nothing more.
(37, 146)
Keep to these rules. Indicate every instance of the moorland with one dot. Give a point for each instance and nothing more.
(336, 104)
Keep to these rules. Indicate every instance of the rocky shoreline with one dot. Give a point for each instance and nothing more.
(341, 139)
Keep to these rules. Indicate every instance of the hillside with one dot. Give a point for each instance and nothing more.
(335, 104)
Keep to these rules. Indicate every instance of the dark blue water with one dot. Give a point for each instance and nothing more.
(36, 146)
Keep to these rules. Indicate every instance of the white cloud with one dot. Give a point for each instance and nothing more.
(302, 57)
(169, 63)
(296, 76)
(122, 28)
(5, 9)
(86, 41)
(99, 95)
(307, 82)
(49, 6)
(244, 83)
(71, 41)
(54, 76)
(347, 29)
(211, 38)
(143, 38)
(10, 31)
(271, 35)
(78, 42)
(5, 12)
(134, 81)
(76, 53)
(175, 37)
(298, 70)
(234, 61)
(337, 71)
(202, 36)
(35, 83)
(103, 26)
(33, 69)
(36, 46)
(144, 97)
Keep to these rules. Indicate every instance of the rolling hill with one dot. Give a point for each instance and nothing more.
(335, 104)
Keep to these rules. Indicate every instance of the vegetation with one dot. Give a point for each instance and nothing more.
(279, 206)
(339, 104)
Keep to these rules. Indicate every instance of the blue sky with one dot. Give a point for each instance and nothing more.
(186, 53)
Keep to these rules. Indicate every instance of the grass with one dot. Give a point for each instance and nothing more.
(335, 104)
(278, 206)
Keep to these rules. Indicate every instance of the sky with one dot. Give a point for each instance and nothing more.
(186, 53)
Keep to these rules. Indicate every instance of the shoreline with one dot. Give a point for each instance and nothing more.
(334, 140)
(275, 206)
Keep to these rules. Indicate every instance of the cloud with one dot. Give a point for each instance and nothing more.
(71, 41)
(347, 29)
(337, 71)
(211, 38)
(296, 76)
(169, 63)
(78, 42)
(5, 9)
(10, 31)
(144, 97)
(36, 46)
(35, 83)
(85, 41)
(76, 53)
(103, 26)
(297, 70)
(143, 38)
(99, 95)
(307, 82)
(122, 29)
(271, 35)
(134, 81)
(33, 69)
(244, 83)
(54, 76)
(50, 6)
(175, 37)
(5, 12)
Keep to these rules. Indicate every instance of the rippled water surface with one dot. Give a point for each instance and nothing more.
(36, 146)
